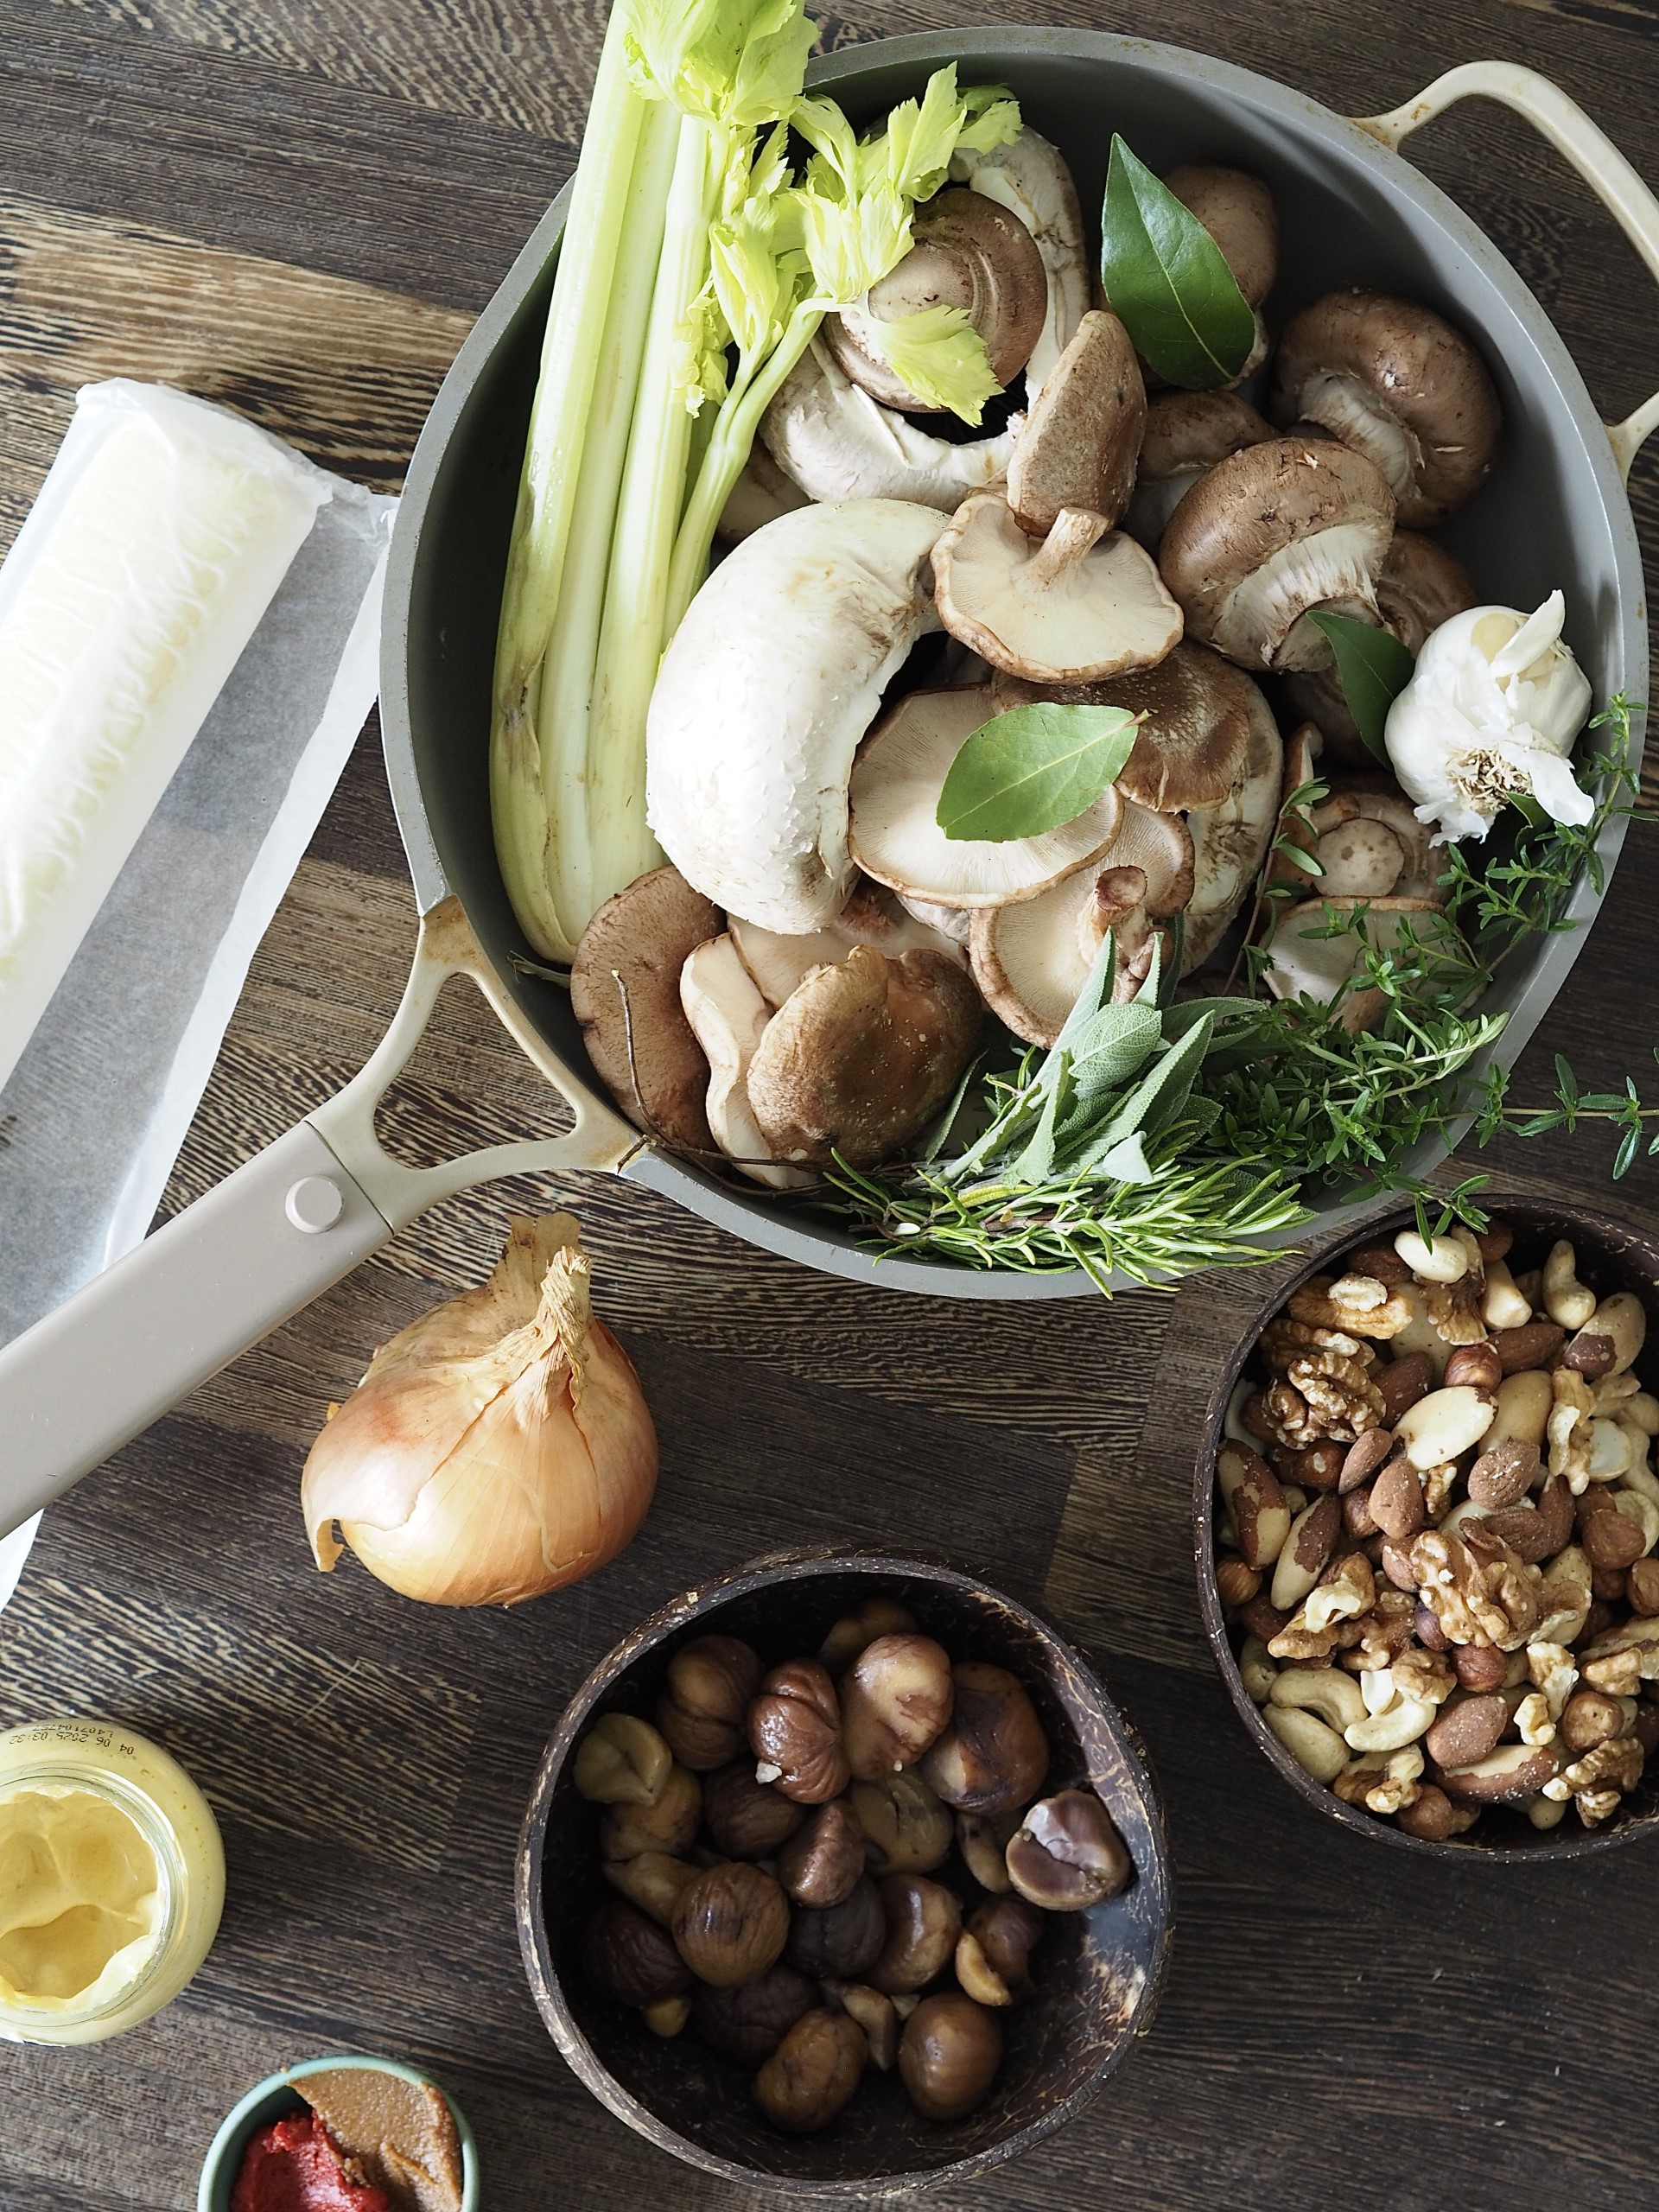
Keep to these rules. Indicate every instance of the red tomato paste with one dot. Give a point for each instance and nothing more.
(292, 2167)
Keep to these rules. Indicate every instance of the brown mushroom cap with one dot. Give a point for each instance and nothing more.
(1238, 211)
(968, 252)
(1189, 431)
(1083, 436)
(1072, 608)
(1268, 534)
(625, 980)
(1191, 747)
(863, 1056)
(1399, 384)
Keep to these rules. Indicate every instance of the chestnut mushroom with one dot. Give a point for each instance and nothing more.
(895, 1699)
(840, 1942)
(747, 2023)
(923, 1922)
(1083, 436)
(795, 1733)
(1067, 1853)
(821, 1863)
(947, 2056)
(627, 1957)
(704, 1710)
(809, 2079)
(1187, 433)
(906, 1827)
(992, 1757)
(730, 1924)
(746, 1818)
(1238, 211)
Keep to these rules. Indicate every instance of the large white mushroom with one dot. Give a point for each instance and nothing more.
(770, 681)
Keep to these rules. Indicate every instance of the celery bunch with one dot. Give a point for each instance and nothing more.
(696, 267)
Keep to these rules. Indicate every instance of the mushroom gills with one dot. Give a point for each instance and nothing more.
(729, 1017)
(1030, 178)
(1230, 841)
(1341, 405)
(871, 916)
(1308, 962)
(1329, 569)
(895, 834)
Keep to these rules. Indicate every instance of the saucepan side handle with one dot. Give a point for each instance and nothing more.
(233, 1265)
(1592, 153)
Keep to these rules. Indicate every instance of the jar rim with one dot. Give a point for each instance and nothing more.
(158, 1831)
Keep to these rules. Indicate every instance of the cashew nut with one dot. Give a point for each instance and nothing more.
(1643, 1410)
(1564, 1598)
(1256, 1671)
(1523, 1404)
(1403, 1722)
(1504, 1305)
(1544, 1812)
(1325, 1690)
(1442, 1259)
(1612, 1391)
(1623, 1318)
(1610, 1451)
(1313, 1746)
(1568, 1301)
(1444, 1424)
(1639, 1475)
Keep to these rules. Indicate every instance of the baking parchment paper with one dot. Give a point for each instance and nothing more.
(96, 1109)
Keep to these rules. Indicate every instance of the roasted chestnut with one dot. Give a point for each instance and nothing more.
(993, 1957)
(747, 2024)
(907, 1829)
(668, 1824)
(1067, 1855)
(842, 1943)
(820, 1863)
(992, 1757)
(621, 1761)
(747, 1819)
(810, 2077)
(704, 1709)
(923, 1921)
(653, 1881)
(983, 1838)
(895, 1699)
(876, 2014)
(731, 1923)
(947, 2056)
(795, 1732)
(629, 1957)
(853, 1632)
(667, 2016)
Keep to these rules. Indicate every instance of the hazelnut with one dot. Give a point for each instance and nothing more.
(879, 2017)
(809, 2079)
(1607, 1583)
(994, 1951)
(923, 1921)
(1466, 1728)
(1479, 1666)
(795, 1728)
(668, 1824)
(1237, 1582)
(994, 1754)
(704, 1712)
(948, 2055)
(1395, 1562)
(747, 1819)
(746, 2024)
(822, 1861)
(1641, 1586)
(622, 1761)
(840, 1942)
(629, 1957)
(907, 1829)
(1494, 1240)
(1068, 1854)
(1358, 1519)
(1429, 1815)
(652, 1880)
(1476, 1363)
(1611, 1539)
(854, 1633)
(1263, 1618)
(1589, 1718)
(895, 1699)
(983, 1840)
(731, 1923)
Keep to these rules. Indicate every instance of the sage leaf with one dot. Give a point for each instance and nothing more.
(1113, 1048)
(1168, 282)
(1036, 1163)
(1095, 992)
(1028, 771)
(1158, 1098)
(1373, 669)
(1127, 1163)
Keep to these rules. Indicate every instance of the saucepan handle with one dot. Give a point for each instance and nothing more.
(266, 1241)
(1589, 148)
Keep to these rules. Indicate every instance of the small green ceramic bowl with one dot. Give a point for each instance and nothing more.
(276, 2094)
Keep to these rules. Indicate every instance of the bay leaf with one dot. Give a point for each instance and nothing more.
(1168, 282)
(1030, 771)
(1373, 669)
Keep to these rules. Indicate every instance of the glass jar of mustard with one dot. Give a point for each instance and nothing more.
(111, 1880)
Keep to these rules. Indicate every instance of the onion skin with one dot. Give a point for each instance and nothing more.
(498, 1448)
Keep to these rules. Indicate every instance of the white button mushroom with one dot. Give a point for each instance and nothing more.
(770, 681)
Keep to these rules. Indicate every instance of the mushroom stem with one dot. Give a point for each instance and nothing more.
(1075, 534)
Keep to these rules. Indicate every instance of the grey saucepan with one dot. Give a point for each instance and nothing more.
(299, 1216)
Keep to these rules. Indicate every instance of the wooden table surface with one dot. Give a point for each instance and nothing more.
(298, 206)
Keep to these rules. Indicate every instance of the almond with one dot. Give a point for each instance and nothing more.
(1525, 1532)
(1365, 1455)
(1505, 1474)
(1467, 1729)
(1397, 1500)
(1530, 1345)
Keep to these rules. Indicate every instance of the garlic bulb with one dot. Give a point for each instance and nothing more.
(498, 1447)
(1492, 711)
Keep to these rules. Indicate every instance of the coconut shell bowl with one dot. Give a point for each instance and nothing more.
(1098, 1972)
(1612, 1256)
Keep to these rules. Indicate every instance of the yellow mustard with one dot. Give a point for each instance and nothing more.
(111, 1880)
